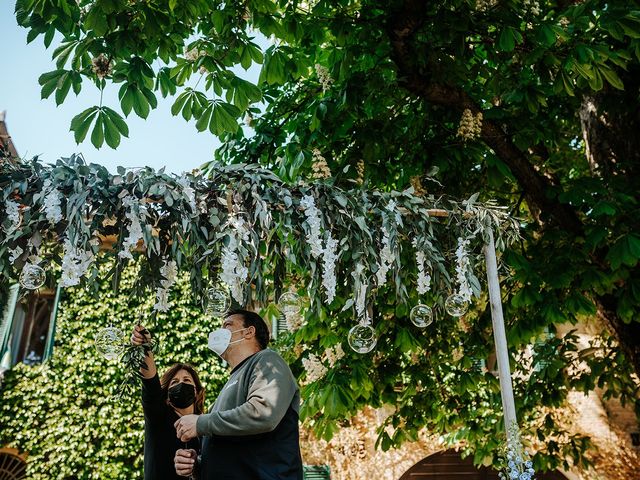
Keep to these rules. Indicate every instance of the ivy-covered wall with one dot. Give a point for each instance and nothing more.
(65, 414)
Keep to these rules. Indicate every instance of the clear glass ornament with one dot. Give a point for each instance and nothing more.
(110, 342)
(32, 276)
(216, 301)
(362, 338)
(421, 315)
(289, 303)
(456, 305)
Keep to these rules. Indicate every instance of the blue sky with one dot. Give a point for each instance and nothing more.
(38, 127)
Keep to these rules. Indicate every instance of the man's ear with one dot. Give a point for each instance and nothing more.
(251, 331)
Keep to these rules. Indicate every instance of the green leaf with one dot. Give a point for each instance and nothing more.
(179, 103)
(255, 52)
(48, 36)
(626, 250)
(596, 83)
(111, 132)
(633, 242)
(546, 35)
(273, 70)
(80, 123)
(507, 41)
(97, 135)
(126, 98)
(140, 102)
(584, 71)
(224, 118)
(244, 93)
(49, 82)
(118, 121)
(568, 83)
(611, 76)
(63, 52)
(205, 118)
(151, 98)
(63, 86)
(96, 20)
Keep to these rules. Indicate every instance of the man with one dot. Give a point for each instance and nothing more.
(251, 432)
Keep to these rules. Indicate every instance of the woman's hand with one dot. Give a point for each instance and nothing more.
(139, 336)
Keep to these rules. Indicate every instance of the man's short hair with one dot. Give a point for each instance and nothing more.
(252, 319)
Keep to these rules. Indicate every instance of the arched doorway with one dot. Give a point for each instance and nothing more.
(12, 465)
(449, 465)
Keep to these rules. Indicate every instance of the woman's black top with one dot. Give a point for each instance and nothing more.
(160, 441)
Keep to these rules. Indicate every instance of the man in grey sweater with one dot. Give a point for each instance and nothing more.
(251, 432)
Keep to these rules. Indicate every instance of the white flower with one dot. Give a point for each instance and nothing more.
(240, 227)
(329, 260)
(52, 201)
(15, 253)
(319, 166)
(483, 5)
(533, 6)
(75, 263)
(13, 212)
(134, 229)
(333, 355)
(102, 66)
(314, 368)
(169, 272)
(386, 258)
(424, 276)
(314, 222)
(470, 126)
(464, 289)
(234, 272)
(324, 77)
(293, 319)
(193, 54)
(162, 300)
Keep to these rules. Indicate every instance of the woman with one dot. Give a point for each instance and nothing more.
(179, 392)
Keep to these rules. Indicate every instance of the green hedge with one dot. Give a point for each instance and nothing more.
(65, 414)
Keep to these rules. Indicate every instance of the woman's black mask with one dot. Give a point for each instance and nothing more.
(182, 395)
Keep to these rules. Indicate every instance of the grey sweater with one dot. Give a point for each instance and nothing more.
(251, 432)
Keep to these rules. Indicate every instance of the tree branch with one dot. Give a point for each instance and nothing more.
(535, 186)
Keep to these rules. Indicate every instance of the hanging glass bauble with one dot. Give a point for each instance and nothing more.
(289, 303)
(456, 305)
(362, 338)
(216, 301)
(421, 315)
(32, 276)
(110, 342)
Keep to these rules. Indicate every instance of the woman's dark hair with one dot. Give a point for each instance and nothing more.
(252, 319)
(198, 406)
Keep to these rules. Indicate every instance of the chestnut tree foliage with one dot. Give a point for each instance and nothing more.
(533, 103)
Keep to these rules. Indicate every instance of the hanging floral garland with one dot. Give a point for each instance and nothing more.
(231, 226)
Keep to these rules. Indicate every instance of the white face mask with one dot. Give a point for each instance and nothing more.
(220, 339)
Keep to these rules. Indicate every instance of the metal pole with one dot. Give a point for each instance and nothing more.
(500, 336)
